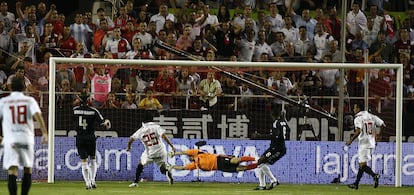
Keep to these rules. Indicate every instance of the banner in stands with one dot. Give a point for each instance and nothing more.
(194, 124)
(308, 162)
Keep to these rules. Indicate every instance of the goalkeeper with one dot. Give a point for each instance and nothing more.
(210, 162)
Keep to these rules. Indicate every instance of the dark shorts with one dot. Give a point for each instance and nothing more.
(86, 147)
(223, 164)
(272, 155)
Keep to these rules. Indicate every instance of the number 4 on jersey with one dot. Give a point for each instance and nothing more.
(82, 123)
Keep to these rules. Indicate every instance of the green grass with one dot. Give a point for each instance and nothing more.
(201, 188)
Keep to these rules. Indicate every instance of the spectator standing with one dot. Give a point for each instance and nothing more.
(305, 20)
(68, 44)
(208, 89)
(100, 83)
(101, 37)
(101, 15)
(164, 84)
(278, 47)
(291, 33)
(146, 38)
(7, 17)
(122, 19)
(226, 36)
(321, 40)
(261, 47)
(356, 20)
(303, 45)
(335, 24)
(246, 47)
(161, 17)
(275, 18)
(80, 31)
(117, 46)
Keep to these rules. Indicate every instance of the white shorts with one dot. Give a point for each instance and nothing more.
(364, 154)
(160, 159)
(18, 156)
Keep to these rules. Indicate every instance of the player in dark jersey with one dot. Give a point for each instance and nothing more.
(277, 149)
(86, 118)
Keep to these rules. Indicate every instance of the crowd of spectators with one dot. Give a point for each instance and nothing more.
(257, 31)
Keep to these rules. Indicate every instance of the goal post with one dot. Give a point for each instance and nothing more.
(58, 60)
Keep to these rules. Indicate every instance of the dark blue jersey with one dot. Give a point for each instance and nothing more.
(86, 118)
(279, 133)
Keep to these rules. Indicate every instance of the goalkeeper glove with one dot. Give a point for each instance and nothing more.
(171, 154)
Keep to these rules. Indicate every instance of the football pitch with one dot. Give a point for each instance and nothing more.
(201, 188)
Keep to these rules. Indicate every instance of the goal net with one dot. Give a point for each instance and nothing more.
(317, 99)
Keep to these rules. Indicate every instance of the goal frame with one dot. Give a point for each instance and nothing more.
(52, 93)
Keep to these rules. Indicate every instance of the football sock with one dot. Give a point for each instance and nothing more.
(247, 158)
(261, 176)
(138, 172)
(359, 175)
(26, 183)
(368, 170)
(163, 170)
(268, 173)
(12, 185)
(93, 169)
(251, 166)
(85, 172)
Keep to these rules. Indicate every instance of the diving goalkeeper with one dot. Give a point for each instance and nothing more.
(210, 162)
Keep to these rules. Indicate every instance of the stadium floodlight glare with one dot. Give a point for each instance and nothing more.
(59, 60)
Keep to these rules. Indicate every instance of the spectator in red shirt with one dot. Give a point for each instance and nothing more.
(123, 18)
(379, 88)
(101, 36)
(164, 84)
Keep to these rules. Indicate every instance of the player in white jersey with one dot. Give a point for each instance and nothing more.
(17, 112)
(150, 135)
(365, 126)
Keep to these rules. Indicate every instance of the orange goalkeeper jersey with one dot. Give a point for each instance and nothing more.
(203, 161)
